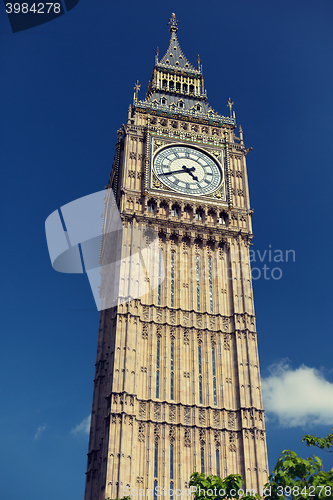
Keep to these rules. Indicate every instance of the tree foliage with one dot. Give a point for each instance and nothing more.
(293, 478)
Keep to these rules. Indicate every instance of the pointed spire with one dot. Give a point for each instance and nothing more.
(174, 56)
(241, 140)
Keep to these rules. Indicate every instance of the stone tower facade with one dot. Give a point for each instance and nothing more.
(177, 384)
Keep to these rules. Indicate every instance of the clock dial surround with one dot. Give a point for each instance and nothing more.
(187, 170)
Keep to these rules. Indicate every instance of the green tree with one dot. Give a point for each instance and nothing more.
(293, 478)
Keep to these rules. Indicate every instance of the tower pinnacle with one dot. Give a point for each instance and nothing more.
(173, 23)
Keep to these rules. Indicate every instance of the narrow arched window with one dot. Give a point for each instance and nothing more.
(198, 282)
(159, 277)
(202, 459)
(214, 376)
(155, 490)
(200, 374)
(172, 371)
(175, 211)
(151, 207)
(210, 284)
(158, 369)
(172, 279)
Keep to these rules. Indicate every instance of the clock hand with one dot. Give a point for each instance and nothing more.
(193, 176)
(185, 169)
(174, 172)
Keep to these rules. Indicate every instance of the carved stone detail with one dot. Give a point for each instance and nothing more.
(172, 413)
(141, 432)
(187, 415)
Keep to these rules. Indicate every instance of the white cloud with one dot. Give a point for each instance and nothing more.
(83, 427)
(40, 431)
(298, 397)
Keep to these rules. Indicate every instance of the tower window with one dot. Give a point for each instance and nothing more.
(175, 211)
(214, 376)
(178, 86)
(198, 215)
(158, 369)
(181, 104)
(199, 358)
(213, 362)
(210, 284)
(164, 84)
(184, 87)
(191, 89)
(172, 371)
(163, 100)
(171, 461)
(171, 85)
(217, 462)
(200, 389)
(172, 279)
(198, 107)
(200, 374)
(151, 207)
(222, 218)
(156, 461)
(159, 277)
(198, 282)
(214, 391)
(171, 490)
(155, 490)
(202, 459)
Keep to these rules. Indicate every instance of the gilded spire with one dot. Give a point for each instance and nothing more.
(173, 23)
(174, 56)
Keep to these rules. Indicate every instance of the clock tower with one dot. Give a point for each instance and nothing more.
(177, 384)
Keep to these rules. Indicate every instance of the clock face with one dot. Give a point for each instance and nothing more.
(187, 170)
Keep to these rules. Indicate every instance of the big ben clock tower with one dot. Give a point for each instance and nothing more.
(177, 383)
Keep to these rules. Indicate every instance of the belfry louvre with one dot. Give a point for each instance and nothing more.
(177, 383)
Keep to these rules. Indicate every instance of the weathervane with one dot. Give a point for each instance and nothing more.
(230, 103)
(137, 87)
(173, 23)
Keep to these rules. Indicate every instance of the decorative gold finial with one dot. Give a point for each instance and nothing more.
(230, 103)
(137, 87)
(173, 23)
(199, 63)
(157, 53)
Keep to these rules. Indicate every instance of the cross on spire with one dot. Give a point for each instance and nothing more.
(173, 23)
(137, 87)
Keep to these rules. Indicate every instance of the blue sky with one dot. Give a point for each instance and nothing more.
(65, 90)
